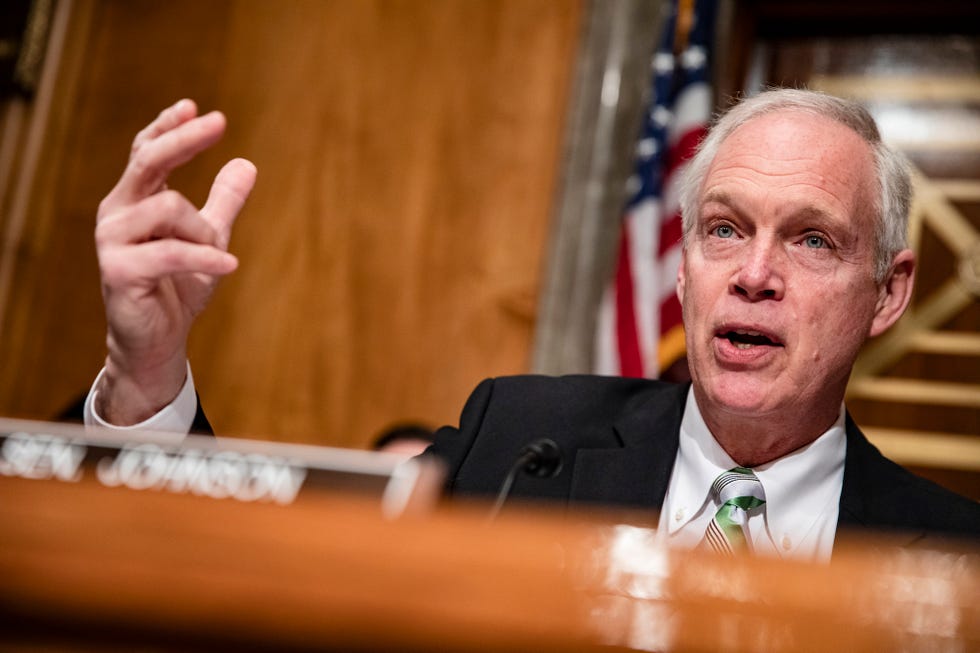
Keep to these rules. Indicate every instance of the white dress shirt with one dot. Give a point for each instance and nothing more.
(802, 492)
(176, 417)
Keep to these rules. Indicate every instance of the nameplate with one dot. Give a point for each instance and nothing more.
(218, 468)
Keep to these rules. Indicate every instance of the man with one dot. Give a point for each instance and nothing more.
(794, 254)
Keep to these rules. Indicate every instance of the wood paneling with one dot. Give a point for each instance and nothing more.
(390, 253)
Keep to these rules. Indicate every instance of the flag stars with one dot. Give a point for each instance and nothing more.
(661, 116)
(646, 148)
(694, 57)
(663, 63)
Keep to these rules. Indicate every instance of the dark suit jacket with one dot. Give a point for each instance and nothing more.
(619, 438)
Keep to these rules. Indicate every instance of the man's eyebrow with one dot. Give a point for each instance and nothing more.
(811, 212)
(808, 212)
(722, 197)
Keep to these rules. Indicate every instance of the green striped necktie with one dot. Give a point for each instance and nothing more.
(739, 491)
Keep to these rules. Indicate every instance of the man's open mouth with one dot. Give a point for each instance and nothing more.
(745, 338)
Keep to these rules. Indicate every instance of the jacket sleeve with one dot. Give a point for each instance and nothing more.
(453, 444)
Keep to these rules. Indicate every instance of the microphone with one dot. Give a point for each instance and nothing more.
(541, 458)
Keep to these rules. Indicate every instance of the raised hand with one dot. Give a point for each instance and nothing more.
(160, 259)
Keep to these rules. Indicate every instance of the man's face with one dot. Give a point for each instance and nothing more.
(776, 280)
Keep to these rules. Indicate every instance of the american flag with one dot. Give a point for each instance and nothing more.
(639, 331)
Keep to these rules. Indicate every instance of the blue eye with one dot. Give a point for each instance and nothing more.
(815, 242)
(724, 231)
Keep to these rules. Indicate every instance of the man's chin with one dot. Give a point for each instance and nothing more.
(741, 395)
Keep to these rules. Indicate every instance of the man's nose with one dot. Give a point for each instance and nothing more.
(759, 274)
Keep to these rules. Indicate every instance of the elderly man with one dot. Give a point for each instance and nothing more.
(794, 254)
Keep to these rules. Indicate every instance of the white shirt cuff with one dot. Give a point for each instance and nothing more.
(176, 417)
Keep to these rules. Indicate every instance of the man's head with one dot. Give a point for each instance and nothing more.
(894, 191)
(794, 253)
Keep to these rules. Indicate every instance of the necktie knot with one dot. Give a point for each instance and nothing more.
(737, 483)
(739, 491)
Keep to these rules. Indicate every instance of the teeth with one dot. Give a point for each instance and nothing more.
(743, 345)
(745, 332)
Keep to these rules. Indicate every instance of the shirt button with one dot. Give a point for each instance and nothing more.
(786, 543)
(679, 515)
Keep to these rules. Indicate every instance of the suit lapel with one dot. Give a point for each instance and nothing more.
(864, 475)
(853, 495)
(635, 470)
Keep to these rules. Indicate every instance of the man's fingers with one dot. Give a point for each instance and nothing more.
(146, 263)
(229, 191)
(174, 115)
(155, 159)
(164, 215)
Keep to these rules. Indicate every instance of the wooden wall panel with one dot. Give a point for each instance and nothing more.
(390, 253)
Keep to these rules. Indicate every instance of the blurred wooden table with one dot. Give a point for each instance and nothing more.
(85, 567)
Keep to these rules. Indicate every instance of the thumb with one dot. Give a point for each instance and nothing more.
(229, 191)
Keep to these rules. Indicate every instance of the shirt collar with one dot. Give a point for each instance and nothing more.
(798, 486)
(802, 484)
(700, 459)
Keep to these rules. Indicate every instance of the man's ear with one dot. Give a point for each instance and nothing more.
(680, 277)
(894, 293)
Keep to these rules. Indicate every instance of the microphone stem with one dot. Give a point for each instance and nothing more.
(504, 492)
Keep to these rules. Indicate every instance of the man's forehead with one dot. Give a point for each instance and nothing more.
(799, 164)
(788, 147)
(796, 125)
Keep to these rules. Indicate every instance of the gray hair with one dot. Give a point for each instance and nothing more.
(894, 182)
